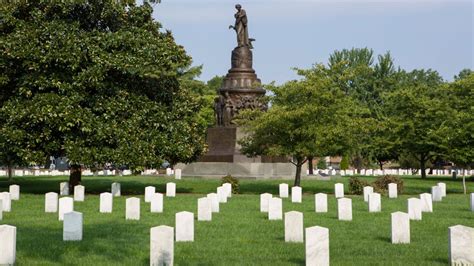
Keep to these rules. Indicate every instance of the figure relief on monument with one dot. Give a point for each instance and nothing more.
(241, 88)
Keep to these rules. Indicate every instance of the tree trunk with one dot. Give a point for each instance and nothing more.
(423, 166)
(380, 164)
(75, 176)
(310, 165)
(298, 175)
(10, 172)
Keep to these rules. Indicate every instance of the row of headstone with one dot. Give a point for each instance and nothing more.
(378, 172)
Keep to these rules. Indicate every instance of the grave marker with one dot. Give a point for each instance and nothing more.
(375, 202)
(72, 226)
(392, 191)
(116, 189)
(294, 226)
(14, 192)
(400, 228)
(339, 190)
(321, 202)
(161, 245)
(170, 189)
(66, 204)
(426, 202)
(64, 189)
(414, 209)
(367, 191)
(204, 209)
(214, 201)
(7, 244)
(283, 190)
(51, 202)
(156, 203)
(264, 201)
(296, 194)
(132, 209)
(344, 209)
(461, 245)
(275, 210)
(184, 227)
(79, 193)
(317, 246)
(106, 202)
(149, 192)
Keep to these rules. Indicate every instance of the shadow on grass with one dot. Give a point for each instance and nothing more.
(297, 261)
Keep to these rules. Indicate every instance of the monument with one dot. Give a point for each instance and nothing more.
(240, 90)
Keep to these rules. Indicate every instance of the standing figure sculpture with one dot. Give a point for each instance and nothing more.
(241, 29)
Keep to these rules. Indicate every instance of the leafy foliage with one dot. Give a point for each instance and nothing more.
(356, 185)
(381, 184)
(233, 181)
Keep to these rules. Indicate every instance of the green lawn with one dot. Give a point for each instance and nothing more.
(239, 234)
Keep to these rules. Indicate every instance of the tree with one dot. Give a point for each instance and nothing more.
(418, 116)
(309, 116)
(96, 81)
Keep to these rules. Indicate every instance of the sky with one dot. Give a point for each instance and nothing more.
(436, 34)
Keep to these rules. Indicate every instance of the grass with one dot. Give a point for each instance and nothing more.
(239, 234)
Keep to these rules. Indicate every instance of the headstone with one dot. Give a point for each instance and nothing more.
(344, 209)
(221, 194)
(461, 245)
(214, 201)
(294, 226)
(321, 202)
(177, 173)
(264, 200)
(204, 209)
(400, 228)
(317, 246)
(51, 202)
(7, 244)
(426, 202)
(72, 226)
(14, 192)
(367, 191)
(106, 202)
(156, 203)
(443, 189)
(132, 209)
(414, 209)
(169, 171)
(1, 209)
(375, 202)
(296, 194)
(116, 189)
(437, 193)
(79, 193)
(472, 202)
(6, 201)
(228, 189)
(283, 190)
(184, 226)
(161, 245)
(392, 191)
(66, 204)
(64, 189)
(275, 209)
(170, 189)
(339, 190)
(149, 192)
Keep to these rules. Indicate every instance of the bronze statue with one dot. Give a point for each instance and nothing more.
(241, 28)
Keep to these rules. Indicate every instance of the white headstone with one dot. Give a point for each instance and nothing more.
(400, 228)
(79, 193)
(161, 245)
(317, 246)
(169, 171)
(7, 244)
(275, 209)
(461, 245)
(66, 204)
(184, 226)
(51, 202)
(339, 190)
(228, 189)
(472, 202)
(177, 173)
(6, 201)
(72, 226)
(14, 192)
(264, 200)
(64, 189)
(221, 194)
(375, 202)
(204, 209)
(414, 209)
(283, 190)
(296, 194)
(321, 202)
(443, 189)
(116, 189)
(392, 191)
(132, 209)
(156, 203)
(367, 191)
(214, 201)
(294, 226)
(106, 202)
(437, 193)
(426, 202)
(1, 210)
(170, 189)
(344, 209)
(149, 192)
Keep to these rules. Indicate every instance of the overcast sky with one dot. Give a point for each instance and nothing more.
(435, 34)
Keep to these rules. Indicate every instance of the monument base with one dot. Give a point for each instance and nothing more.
(239, 170)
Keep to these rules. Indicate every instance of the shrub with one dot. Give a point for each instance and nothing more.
(233, 181)
(381, 184)
(321, 163)
(356, 185)
(344, 163)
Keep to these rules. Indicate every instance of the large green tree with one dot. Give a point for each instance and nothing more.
(312, 116)
(96, 81)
